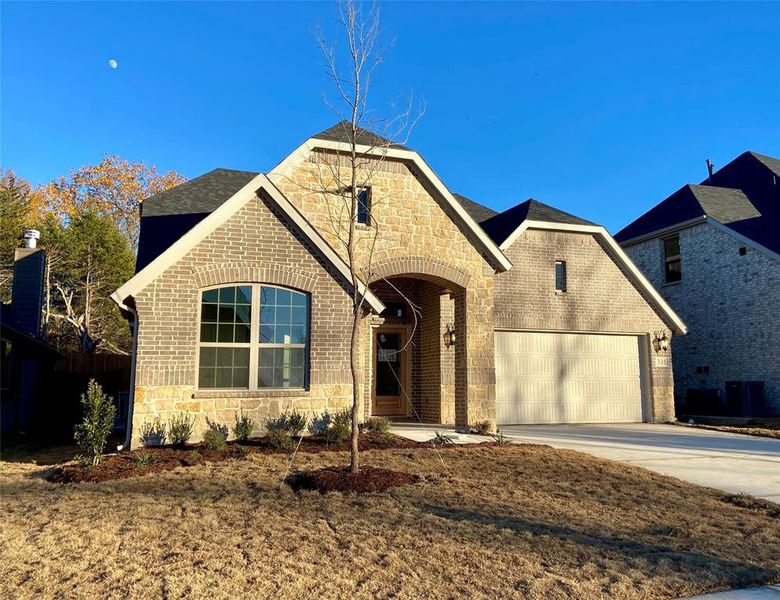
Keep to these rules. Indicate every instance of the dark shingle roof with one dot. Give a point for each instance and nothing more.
(172, 213)
(744, 195)
(200, 195)
(501, 226)
(342, 132)
(476, 211)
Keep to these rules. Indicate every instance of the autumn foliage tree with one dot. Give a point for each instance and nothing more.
(113, 188)
(89, 222)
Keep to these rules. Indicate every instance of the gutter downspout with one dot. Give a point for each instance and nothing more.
(131, 395)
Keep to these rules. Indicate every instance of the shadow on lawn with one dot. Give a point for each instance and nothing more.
(628, 551)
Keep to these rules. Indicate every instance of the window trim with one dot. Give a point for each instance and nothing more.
(673, 258)
(565, 288)
(254, 343)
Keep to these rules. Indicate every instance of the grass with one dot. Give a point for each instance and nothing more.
(768, 427)
(509, 521)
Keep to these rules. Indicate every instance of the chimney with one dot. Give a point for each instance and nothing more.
(27, 290)
(710, 169)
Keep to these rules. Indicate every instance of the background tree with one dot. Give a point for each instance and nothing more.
(20, 206)
(113, 188)
(88, 259)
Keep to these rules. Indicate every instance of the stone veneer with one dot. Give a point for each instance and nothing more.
(599, 298)
(731, 305)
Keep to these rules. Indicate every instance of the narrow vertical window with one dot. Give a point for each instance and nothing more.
(284, 338)
(225, 321)
(560, 276)
(364, 206)
(672, 264)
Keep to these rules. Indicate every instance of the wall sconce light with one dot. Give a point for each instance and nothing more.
(661, 342)
(449, 335)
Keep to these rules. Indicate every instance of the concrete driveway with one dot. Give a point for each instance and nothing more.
(730, 462)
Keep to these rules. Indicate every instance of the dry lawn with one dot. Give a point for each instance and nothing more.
(769, 427)
(519, 521)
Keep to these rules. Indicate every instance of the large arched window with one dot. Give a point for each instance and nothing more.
(253, 337)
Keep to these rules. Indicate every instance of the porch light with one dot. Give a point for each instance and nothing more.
(449, 335)
(661, 342)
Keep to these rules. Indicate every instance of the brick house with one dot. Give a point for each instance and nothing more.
(713, 252)
(242, 300)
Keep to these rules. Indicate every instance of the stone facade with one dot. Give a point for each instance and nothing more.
(599, 298)
(731, 304)
(416, 235)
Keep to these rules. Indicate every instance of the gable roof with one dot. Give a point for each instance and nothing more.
(477, 211)
(458, 214)
(200, 195)
(259, 183)
(501, 226)
(168, 215)
(743, 196)
(342, 132)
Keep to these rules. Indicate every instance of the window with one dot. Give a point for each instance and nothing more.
(253, 336)
(364, 206)
(5, 369)
(560, 276)
(672, 265)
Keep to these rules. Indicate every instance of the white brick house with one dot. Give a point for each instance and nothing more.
(713, 251)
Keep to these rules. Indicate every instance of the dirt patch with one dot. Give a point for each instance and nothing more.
(341, 479)
(154, 460)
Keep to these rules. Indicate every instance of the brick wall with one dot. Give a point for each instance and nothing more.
(599, 298)
(731, 305)
(254, 245)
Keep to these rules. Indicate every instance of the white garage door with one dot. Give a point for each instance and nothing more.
(544, 377)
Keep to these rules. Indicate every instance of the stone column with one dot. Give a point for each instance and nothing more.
(475, 374)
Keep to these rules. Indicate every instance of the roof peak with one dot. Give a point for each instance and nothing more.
(342, 132)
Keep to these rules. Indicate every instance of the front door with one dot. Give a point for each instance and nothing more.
(391, 360)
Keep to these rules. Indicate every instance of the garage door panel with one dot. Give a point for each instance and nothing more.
(546, 377)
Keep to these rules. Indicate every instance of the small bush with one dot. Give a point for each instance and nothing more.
(143, 459)
(320, 424)
(343, 417)
(215, 440)
(482, 428)
(442, 439)
(337, 433)
(295, 422)
(218, 427)
(378, 425)
(180, 428)
(153, 433)
(85, 462)
(280, 438)
(243, 427)
(92, 433)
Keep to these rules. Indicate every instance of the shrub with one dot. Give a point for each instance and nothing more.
(218, 427)
(92, 433)
(295, 422)
(280, 438)
(243, 427)
(378, 425)
(180, 428)
(215, 437)
(343, 417)
(215, 440)
(153, 433)
(143, 459)
(482, 428)
(337, 433)
(320, 424)
(442, 439)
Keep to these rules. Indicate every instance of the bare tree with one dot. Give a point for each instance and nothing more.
(343, 179)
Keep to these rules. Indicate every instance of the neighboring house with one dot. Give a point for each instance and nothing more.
(241, 301)
(26, 359)
(713, 251)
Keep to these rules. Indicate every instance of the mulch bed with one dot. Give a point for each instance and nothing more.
(166, 458)
(341, 479)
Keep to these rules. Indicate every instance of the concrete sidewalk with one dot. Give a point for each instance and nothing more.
(767, 592)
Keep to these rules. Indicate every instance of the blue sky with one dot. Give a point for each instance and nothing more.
(600, 109)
